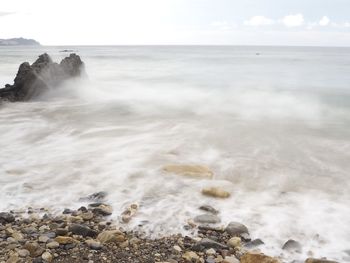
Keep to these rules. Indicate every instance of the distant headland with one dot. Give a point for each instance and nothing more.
(19, 42)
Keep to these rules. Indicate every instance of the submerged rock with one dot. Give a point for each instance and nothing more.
(32, 80)
(209, 209)
(189, 170)
(292, 245)
(207, 219)
(215, 192)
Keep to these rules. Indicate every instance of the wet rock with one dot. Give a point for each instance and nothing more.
(207, 243)
(82, 230)
(87, 216)
(209, 209)
(96, 245)
(32, 80)
(6, 218)
(314, 260)
(236, 229)
(63, 240)
(207, 219)
(189, 170)
(254, 243)
(129, 212)
(67, 211)
(99, 196)
(215, 192)
(292, 246)
(111, 236)
(47, 256)
(234, 242)
(206, 228)
(258, 258)
(101, 209)
(43, 239)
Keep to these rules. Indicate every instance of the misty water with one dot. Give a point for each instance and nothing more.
(271, 122)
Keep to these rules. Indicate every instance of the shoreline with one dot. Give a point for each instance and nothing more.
(87, 235)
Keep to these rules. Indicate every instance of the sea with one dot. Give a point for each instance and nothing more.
(272, 123)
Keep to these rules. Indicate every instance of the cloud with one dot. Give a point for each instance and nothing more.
(293, 20)
(259, 21)
(324, 21)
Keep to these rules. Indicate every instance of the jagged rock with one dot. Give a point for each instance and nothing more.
(33, 80)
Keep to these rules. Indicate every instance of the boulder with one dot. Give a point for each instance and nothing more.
(236, 229)
(32, 80)
(258, 258)
(189, 170)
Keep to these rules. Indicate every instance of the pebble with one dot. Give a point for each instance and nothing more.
(209, 209)
(96, 245)
(53, 245)
(82, 230)
(47, 256)
(234, 242)
(292, 246)
(215, 192)
(62, 240)
(23, 253)
(236, 229)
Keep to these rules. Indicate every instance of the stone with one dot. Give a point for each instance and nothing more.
(215, 192)
(43, 239)
(87, 216)
(314, 260)
(207, 243)
(13, 259)
(34, 249)
(111, 236)
(234, 242)
(61, 232)
(177, 249)
(101, 209)
(189, 170)
(254, 243)
(32, 80)
(47, 256)
(63, 240)
(210, 251)
(230, 260)
(292, 246)
(209, 209)
(96, 245)
(207, 219)
(97, 197)
(129, 212)
(190, 256)
(82, 230)
(6, 217)
(23, 253)
(236, 229)
(17, 236)
(52, 245)
(251, 257)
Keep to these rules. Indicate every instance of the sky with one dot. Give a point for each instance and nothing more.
(178, 22)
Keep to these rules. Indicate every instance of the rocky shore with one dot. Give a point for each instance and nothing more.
(88, 235)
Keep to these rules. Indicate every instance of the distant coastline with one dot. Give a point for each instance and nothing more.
(19, 42)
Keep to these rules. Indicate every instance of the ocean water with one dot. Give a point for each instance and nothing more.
(273, 124)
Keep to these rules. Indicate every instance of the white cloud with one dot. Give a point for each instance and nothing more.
(324, 21)
(293, 20)
(259, 21)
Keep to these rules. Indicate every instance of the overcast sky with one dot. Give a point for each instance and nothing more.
(137, 22)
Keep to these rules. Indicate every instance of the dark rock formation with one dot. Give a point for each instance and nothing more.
(33, 80)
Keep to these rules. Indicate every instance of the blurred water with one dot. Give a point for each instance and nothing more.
(271, 122)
